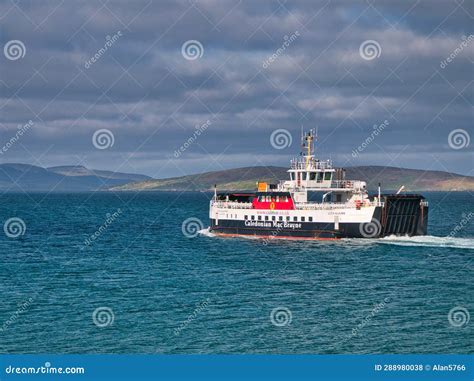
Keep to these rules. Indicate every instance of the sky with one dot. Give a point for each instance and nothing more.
(168, 88)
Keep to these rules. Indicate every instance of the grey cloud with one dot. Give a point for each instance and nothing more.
(152, 98)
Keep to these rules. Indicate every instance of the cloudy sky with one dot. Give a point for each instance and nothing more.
(130, 86)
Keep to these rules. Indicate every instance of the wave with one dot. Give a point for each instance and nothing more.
(429, 241)
(205, 232)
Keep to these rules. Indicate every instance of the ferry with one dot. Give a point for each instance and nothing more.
(317, 202)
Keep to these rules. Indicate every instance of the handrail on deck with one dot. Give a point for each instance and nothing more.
(298, 206)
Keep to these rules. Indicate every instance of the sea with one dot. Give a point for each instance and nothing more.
(140, 273)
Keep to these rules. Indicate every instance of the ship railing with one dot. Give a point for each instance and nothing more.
(335, 184)
(342, 184)
(336, 205)
(232, 205)
(301, 164)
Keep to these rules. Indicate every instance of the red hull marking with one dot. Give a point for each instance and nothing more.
(275, 237)
(276, 205)
(273, 205)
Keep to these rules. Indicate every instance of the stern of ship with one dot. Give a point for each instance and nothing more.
(403, 215)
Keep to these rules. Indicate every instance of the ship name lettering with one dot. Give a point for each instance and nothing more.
(286, 225)
(259, 224)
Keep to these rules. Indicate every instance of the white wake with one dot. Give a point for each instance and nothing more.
(205, 232)
(430, 241)
(424, 241)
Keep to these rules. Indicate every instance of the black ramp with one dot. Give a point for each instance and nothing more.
(404, 215)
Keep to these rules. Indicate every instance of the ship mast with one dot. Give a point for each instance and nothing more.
(309, 141)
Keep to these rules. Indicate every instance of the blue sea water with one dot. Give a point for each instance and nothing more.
(114, 273)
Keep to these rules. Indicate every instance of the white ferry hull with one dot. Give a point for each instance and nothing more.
(317, 202)
(407, 217)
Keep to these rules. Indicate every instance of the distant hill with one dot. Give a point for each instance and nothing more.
(29, 178)
(246, 178)
(79, 170)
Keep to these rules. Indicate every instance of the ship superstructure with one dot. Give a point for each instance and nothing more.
(317, 202)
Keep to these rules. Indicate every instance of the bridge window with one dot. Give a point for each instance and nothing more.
(260, 218)
(252, 218)
(287, 218)
(303, 176)
(266, 218)
(327, 176)
(246, 217)
(310, 219)
(280, 218)
(320, 177)
(302, 219)
(295, 218)
(273, 218)
(312, 176)
(292, 176)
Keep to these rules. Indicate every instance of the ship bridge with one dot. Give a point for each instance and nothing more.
(309, 173)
